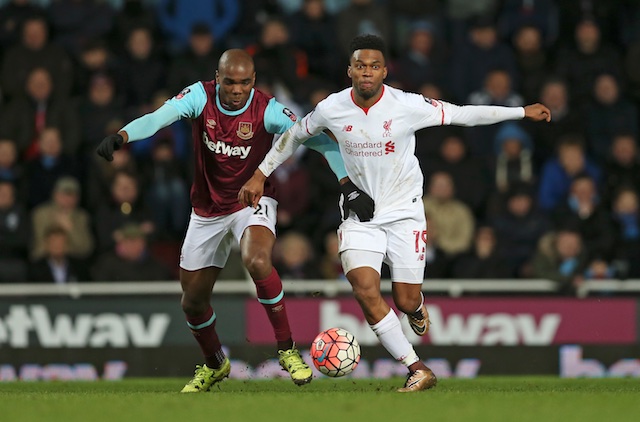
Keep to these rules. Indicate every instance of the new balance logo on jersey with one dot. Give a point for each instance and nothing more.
(347, 128)
(219, 147)
(389, 147)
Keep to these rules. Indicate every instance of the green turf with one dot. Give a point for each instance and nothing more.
(539, 399)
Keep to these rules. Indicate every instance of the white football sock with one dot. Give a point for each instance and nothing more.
(390, 334)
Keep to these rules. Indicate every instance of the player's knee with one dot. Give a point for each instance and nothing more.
(193, 307)
(258, 265)
(366, 295)
(406, 301)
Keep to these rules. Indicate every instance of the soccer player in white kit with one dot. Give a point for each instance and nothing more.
(374, 125)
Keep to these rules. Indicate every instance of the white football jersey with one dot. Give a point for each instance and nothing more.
(378, 144)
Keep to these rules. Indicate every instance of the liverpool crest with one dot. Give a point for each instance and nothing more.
(245, 130)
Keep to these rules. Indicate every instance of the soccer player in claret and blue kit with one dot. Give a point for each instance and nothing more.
(233, 127)
(374, 125)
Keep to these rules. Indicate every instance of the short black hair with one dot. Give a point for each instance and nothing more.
(368, 42)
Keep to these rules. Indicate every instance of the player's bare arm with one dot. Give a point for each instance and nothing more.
(537, 112)
(251, 192)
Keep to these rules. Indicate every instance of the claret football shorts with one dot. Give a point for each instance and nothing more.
(208, 241)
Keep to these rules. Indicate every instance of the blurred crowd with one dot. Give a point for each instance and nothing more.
(517, 200)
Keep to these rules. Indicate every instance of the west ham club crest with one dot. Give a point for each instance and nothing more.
(245, 130)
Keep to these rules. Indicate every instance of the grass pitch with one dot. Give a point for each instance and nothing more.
(482, 399)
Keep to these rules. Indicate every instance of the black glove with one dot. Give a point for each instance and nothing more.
(356, 200)
(108, 145)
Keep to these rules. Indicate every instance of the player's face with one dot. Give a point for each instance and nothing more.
(235, 83)
(367, 71)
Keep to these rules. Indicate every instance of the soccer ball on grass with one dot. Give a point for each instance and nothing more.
(335, 352)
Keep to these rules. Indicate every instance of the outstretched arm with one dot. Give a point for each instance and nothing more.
(140, 128)
(188, 103)
(487, 115)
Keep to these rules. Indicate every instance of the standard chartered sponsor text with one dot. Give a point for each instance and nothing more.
(363, 149)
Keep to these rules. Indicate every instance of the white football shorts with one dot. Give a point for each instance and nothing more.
(398, 240)
(208, 241)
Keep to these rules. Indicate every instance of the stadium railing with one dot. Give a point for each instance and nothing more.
(327, 288)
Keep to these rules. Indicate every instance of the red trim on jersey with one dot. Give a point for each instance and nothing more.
(366, 109)
(441, 112)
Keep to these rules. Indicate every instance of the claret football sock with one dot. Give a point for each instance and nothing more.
(203, 328)
(271, 296)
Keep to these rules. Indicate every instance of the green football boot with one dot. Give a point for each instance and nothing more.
(205, 377)
(292, 362)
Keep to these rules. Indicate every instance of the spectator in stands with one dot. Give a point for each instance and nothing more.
(482, 53)
(514, 157)
(124, 207)
(178, 17)
(295, 259)
(422, 62)
(497, 90)
(599, 269)
(25, 117)
(198, 61)
(13, 14)
(566, 120)
(63, 212)
(56, 265)
(14, 236)
(361, 17)
(278, 62)
(584, 212)
(129, 260)
(572, 12)
(453, 219)
(560, 257)
(533, 61)
(429, 141)
(143, 73)
(483, 260)
(52, 163)
(330, 263)
(468, 172)
(438, 263)
(98, 110)
(75, 22)
(96, 59)
(291, 181)
(102, 173)
(557, 173)
(313, 31)
(632, 69)
(623, 166)
(11, 170)
(518, 227)
(610, 113)
(539, 14)
(581, 65)
(323, 212)
(167, 191)
(132, 14)
(626, 220)
(35, 51)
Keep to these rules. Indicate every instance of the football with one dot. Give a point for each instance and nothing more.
(335, 352)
